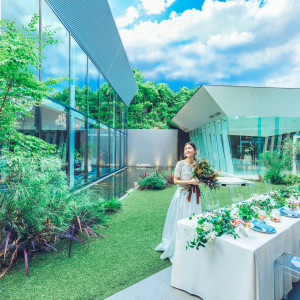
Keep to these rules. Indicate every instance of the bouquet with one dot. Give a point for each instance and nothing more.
(206, 174)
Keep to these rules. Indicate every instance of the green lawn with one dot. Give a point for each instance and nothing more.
(110, 265)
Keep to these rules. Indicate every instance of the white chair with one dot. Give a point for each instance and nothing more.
(210, 200)
(235, 194)
(285, 272)
(269, 186)
(253, 190)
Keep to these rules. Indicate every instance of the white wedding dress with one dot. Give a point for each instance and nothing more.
(179, 209)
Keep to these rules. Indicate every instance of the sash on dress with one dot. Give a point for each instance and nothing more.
(194, 189)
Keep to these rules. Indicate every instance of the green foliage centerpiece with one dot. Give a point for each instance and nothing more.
(213, 224)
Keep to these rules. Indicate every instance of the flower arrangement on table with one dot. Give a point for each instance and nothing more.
(211, 226)
(241, 223)
(293, 204)
(215, 223)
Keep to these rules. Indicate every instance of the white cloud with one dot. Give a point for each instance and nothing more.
(155, 6)
(131, 15)
(224, 40)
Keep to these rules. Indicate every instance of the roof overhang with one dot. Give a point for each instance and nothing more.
(92, 26)
(210, 103)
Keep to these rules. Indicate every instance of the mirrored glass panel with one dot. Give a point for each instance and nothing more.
(55, 63)
(112, 149)
(93, 91)
(54, 129)
(79, 153)
(104, 150)
(92, 149)
(118, 149)
(78, 76)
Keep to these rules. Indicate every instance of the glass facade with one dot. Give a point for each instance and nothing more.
(85, 118)
(233, 144)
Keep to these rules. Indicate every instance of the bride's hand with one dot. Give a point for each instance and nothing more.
(195, 181)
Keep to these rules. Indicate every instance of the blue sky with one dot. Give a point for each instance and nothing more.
(233, 42)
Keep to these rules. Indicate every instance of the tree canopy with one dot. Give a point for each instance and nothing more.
(155, 105)
(20, 53)
(152, 107)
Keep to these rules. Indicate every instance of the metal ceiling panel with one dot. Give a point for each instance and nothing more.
(92, 25)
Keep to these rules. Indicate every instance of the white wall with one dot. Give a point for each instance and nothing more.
(157, 147)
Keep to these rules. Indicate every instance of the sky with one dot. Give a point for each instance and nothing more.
(194, 42)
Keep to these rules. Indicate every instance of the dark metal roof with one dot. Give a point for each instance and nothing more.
(92, 25)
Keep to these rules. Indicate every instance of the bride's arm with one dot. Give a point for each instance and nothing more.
(194, 181)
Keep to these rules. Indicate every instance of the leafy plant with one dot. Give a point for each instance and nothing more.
(211, 226)
(20, 89)
(276, 162)
(154, 180)
(37, 209)
(291, 179)
(112, 206)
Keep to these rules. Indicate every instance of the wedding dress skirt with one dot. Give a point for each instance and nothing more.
(179, 209)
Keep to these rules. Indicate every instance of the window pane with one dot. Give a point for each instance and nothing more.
(56, 61)
(92, 150)
(54, 128)
(112, 150)
(78, 76)
(93, 91)
(105, 103)
(104, 150)
(80, 142)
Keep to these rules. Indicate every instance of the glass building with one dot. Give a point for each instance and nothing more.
(231, 125)
(86, 118)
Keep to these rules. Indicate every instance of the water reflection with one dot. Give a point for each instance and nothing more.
(119, 184)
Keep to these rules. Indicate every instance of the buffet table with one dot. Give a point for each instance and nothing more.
(241, 269)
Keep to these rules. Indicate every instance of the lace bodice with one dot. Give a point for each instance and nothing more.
(183, 170)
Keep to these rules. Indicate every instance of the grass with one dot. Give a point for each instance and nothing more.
(110, 265)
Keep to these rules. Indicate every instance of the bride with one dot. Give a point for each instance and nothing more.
(182, 205)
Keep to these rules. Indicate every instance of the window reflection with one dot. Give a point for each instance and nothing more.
(80, 144)
(104, 150)
(79, 76)
(112, 150)
(118, 148)
(56, 61)
(93, 91)
(92, 149)
(20, 10)
(54, 129)
(27, 125)
(54, 122)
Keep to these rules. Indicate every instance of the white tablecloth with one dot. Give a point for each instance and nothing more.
(232, 181)
(238, 269)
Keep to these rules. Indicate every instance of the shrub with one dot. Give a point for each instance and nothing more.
(276, 162)
(291, 179)
(112, 206)
(37, 209)
(274, 176)
(154, 181)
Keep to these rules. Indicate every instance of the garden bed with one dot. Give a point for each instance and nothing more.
(125, 257)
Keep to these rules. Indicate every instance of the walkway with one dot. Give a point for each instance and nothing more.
(155, 287)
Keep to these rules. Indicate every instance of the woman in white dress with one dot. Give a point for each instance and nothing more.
(181, 207)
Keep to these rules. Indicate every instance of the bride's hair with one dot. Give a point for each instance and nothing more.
(193, 145)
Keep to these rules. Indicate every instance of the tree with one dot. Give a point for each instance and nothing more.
(155, 105)
(20, 54)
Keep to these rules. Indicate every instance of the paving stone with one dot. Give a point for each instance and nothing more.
(122, 295)
(165, 275)
(151, 288)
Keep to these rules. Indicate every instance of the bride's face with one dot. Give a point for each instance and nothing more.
(189, 151)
